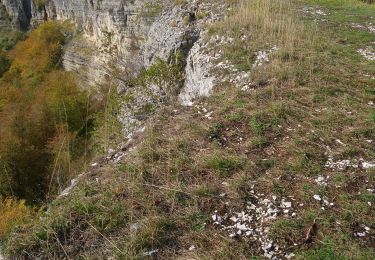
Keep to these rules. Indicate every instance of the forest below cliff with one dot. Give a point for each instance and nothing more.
(43, 116)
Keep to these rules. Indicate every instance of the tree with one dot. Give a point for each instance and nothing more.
(4, 63)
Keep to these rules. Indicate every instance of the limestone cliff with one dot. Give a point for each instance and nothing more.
(117, 38)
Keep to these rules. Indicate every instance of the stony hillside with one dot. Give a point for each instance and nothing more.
(239, 130)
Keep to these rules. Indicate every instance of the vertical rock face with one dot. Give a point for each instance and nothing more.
(135, 31)
(123, 35)
(19, 11)
(199, 82)
(115, 31)
(117, 38)
(108, 23)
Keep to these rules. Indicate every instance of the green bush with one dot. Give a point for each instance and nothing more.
(4, 64)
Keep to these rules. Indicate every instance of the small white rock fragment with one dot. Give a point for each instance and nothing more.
(191, 248)
(135, 227)
(151, 252)
(317, 197)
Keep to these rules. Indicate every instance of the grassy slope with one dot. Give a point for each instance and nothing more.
(317, 92)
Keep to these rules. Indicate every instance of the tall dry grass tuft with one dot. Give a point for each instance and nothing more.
(269, 20)
(272, 23)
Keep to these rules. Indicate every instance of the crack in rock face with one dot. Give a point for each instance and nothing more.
(199, 82)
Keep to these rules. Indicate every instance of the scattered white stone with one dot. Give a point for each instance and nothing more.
(191, 248)
(340, 142)
(344, 164)
(135, 227)
(369, 27)
(339, 165)
(151, 252)
(368, 53)
(208, 115)
(263, 56)
(321, 180)
(216, 218)
(253, 221)
(317, 197)
(368, 165)
(69, 189)
(358, 26)
(314, 11)
(286, 204)
(222, 195)
(118, 156)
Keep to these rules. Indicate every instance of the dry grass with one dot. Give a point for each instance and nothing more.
(268, 21)
(12, 214)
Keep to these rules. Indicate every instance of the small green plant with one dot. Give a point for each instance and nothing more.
(150, 10)
(40, 4)
(225, 166)
(214, 133)
(257, 126)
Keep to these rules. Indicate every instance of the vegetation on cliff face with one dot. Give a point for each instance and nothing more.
(299, 140)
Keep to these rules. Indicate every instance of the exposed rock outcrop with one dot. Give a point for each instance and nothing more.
(117, 38)
(199, 82)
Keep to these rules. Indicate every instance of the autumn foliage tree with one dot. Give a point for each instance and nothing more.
(42, 117)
